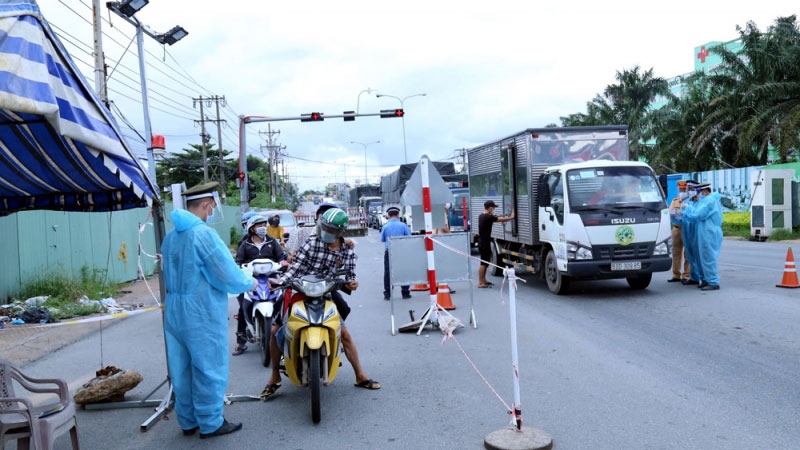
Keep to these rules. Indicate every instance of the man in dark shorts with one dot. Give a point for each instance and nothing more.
(485, 222)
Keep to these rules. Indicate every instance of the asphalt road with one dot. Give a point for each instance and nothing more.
(605, 367)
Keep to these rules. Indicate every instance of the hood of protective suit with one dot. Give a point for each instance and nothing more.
(183, 220)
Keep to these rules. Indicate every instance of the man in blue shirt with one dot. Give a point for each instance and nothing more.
(394, 227)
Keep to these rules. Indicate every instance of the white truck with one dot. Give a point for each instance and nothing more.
(583, 211)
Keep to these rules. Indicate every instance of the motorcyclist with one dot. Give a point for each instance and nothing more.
(299, 235)
(257, 244)
(323, 255)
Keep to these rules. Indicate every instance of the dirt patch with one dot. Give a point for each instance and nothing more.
(23, 344)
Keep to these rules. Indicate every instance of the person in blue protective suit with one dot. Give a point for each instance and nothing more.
(689, 235)
(199, 272)
(706, 216)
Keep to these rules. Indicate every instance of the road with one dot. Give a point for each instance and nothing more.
(671, 367)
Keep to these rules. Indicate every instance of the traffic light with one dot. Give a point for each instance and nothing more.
(240, 180)
(251, 190)
(349, 116)
(392, 113)
(313, 117)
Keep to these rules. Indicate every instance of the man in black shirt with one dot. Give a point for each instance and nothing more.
(485, 222)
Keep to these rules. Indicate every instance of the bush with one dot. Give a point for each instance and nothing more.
(65, 292)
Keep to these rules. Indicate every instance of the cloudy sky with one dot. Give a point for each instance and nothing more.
(488, 69)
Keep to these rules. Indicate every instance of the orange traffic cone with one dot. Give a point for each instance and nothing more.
(420, 287)
(789, 272)
(443, 297)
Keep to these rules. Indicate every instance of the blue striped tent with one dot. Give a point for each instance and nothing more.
(60, 148)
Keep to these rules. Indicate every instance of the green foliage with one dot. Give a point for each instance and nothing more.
(65, 292)
(236, 236)
(784, 235)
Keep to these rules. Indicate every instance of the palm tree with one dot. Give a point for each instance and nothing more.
(632, 98)
(758, 96)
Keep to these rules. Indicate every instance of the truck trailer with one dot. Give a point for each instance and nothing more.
(583, 212)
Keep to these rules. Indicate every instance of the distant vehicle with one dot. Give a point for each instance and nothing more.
(455, 213)
(316, 200)
(288, 221)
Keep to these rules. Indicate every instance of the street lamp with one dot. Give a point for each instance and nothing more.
(365, 156)
(402, 101)
(368, 91)
(126, 9)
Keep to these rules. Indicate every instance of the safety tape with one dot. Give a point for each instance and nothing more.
(448, 335)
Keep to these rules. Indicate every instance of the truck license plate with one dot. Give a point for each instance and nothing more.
(635, 265)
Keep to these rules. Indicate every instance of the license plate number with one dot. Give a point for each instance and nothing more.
(635, 265)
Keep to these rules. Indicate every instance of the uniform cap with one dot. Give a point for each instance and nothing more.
(393, 211)
(201, 191)
(702, 186)
(682, 184)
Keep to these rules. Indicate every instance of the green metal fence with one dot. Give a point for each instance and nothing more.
(37, 243)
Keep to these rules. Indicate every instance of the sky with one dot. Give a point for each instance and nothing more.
(488, 69)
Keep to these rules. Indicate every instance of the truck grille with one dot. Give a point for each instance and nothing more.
(642, 250)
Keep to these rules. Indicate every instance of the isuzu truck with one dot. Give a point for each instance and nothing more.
(583, 211)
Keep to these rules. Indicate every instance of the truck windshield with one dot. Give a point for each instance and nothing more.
(606, 186)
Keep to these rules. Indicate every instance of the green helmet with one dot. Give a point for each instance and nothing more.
(332, 225)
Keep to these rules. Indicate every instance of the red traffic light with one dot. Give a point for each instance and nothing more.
(241, 175)
(313, 117)
(385, 113)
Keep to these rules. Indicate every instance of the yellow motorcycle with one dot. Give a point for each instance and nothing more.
(312, 335)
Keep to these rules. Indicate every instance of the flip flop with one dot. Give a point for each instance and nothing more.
(368, 384)
(269, 390)
(239, 350)
(487, 285)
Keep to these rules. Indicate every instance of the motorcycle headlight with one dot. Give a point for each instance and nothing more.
(578, 252)
(663, 248)
(314, 288)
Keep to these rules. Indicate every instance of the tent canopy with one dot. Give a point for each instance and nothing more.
(60, 148)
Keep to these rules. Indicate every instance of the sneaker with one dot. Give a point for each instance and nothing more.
(225, 428)
(406, 296)
(702, 284)
(710, 287)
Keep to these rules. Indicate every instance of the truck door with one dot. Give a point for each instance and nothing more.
(508, 162)
(551, 216)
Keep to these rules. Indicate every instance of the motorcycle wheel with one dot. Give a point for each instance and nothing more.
(264, 325)
(314, 381)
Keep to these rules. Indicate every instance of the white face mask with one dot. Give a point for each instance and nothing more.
(683, 195)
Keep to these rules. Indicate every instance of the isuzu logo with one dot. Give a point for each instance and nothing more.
(623, 220)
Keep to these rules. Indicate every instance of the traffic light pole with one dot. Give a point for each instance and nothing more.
(244, 177)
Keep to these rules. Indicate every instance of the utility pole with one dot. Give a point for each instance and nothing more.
(274, 154)
(206, 137)
(202, 135)
(99, 58)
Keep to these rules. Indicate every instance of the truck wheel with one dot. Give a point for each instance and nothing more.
(640, 282)
(556, 281)
(496, 268)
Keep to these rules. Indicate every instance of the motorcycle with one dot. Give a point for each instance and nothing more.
(311, 337)
(259, 304)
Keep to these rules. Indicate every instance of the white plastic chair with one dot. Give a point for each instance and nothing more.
(22, 421)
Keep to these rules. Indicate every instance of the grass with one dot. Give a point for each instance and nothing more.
(738, 224)
(65, 292)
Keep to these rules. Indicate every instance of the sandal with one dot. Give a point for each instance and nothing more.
(369, 384)
(487, 285)
(269, 389)
(239, 350)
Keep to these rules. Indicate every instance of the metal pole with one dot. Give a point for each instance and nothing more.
(403, 119)
(221, 153)
(512, 306)
(148, 132)
(203, 141)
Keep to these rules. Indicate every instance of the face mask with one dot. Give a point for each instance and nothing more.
(210, 218)
(275, 222)
(683, 195)
(702, 195)
(261, 231)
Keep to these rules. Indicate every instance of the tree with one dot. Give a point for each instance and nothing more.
(758, 101)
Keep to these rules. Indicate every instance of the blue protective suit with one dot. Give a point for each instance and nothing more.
(199, 272)
(706, 217)
(689, 235)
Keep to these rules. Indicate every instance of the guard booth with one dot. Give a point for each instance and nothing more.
(771, 205)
